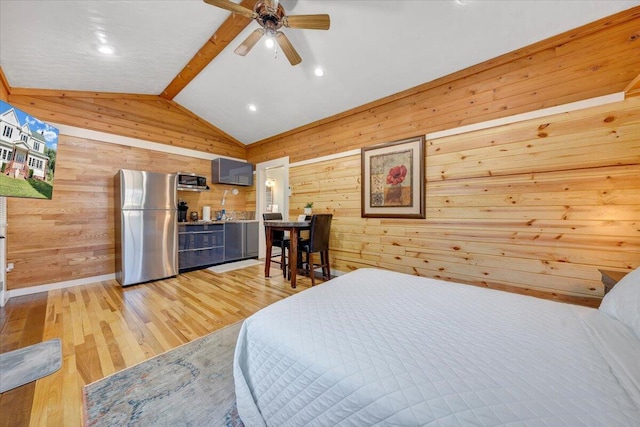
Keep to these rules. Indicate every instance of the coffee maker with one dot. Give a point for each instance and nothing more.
(182, 211)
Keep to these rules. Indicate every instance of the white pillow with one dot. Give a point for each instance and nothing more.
(623, 301)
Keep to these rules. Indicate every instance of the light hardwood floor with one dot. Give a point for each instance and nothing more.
(105, 328)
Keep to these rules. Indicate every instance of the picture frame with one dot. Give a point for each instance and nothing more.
(392, 180)
(28, 151)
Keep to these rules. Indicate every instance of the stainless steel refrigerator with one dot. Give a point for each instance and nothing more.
(146, 226)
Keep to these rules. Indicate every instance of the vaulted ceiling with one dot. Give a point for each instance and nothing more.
(183, 50)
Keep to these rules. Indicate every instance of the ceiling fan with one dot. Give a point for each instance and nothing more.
(271, 17)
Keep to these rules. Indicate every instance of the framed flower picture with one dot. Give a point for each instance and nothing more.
(393, 179)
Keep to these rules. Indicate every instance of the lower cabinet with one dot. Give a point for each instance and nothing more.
(200, 245)
(204, 245)
(251, 240)
(241, 241)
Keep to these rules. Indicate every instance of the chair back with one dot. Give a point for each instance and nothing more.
(319, 232)
(278, 235)
(271, 216)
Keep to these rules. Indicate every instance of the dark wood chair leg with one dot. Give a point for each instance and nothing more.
(310, 268)
(325, 265)
(326, 261)
(283, 260)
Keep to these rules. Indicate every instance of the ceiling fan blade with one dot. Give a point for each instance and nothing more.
(249, 42)
(308, 22)
(288, 49)
(233, 7)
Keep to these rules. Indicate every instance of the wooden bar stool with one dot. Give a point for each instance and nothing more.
(279, 240)
(318, 242)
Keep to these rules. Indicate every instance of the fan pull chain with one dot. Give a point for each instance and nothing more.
(275, 51)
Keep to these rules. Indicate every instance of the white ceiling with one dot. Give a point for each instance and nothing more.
(374, 48)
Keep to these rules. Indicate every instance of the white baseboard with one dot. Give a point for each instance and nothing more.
(58, 285)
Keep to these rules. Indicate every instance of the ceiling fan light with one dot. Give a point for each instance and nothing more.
(252, 108)
(269, 42)
(319, 71)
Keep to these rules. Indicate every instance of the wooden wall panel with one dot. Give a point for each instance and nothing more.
(146, 117)
(551, 146)
(594, 60)
(72, 235)
(505, 206)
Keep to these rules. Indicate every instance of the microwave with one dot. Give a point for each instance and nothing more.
(192, 182)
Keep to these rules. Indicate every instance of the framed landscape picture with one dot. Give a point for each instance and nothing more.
(393, 179)
(28, 148)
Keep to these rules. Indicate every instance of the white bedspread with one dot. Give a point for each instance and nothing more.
(379, 348)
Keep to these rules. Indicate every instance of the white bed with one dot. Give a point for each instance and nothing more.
(375, 347)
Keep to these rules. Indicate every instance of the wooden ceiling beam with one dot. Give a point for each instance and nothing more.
(223, 36)
(633, 89)
(5, 89)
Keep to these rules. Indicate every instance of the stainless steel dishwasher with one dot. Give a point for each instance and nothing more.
(241, 240)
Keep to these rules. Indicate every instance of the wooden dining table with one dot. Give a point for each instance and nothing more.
(294, 228)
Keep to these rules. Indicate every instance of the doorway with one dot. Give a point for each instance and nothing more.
(272, 193)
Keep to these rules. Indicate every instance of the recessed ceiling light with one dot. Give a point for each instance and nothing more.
(105, 49)
(101, 36)
(252, 107)
(319, 71)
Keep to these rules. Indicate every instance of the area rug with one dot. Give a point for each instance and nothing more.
(21, 366)
(224, 268)
(191, 385)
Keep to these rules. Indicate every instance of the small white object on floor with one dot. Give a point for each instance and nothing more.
(224, 268)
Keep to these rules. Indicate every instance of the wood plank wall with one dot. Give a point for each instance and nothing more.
(146, 117)
(72, 235)
(539, 205)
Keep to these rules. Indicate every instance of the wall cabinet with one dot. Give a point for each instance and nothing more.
(228, 171)
(241, 240)
(200, 245)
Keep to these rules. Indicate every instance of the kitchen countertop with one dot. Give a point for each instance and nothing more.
(231, 221)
